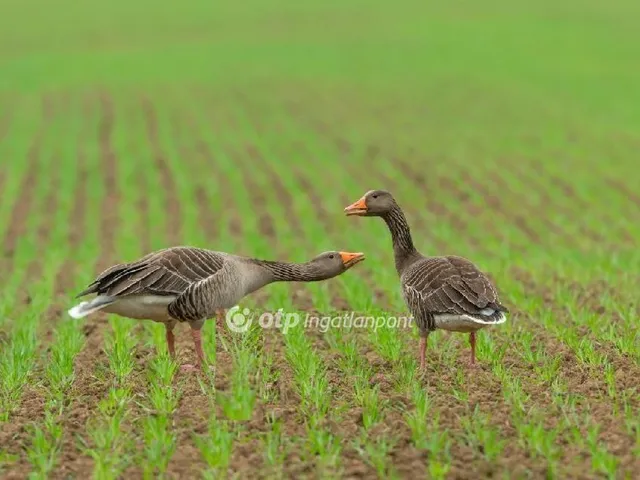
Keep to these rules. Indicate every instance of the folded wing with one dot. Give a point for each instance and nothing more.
(166, 272)
(449, 285)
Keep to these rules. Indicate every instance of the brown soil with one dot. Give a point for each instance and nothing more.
(142, 206)
(446, 186)
(414, 175)
(327, 220)
(77, 221)
(338, 299)
(586, 296)
(6, 118)
(577, 204)
(77, 224)
(348, 424)
(88, 390)
(546, 202)
(285, 406)
(44, 229)
(628, 370)
(544, 182)
(484, 392)
(316, 200)
(481, 385)
(24, 202)
(498, 206)
(32, 401)
(259, 200)
(625, 190)
(109, 210)
(256, 193)
(191, 415)
(235, 222)
(172, 202)
(200, 154)
(300, 296)
(431, 203)
(16, 433)
(208, 219)
(5, 125)
(283, 196)
(587, 382)
(3, 179)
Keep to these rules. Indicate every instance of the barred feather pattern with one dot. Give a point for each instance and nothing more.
(164, 272)
(439, 285)
(448, 285)
(202, 299)
(203, 281)
(291, 272)
(403, 248)
(232, 282)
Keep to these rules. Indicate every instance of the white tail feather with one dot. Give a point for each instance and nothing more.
(465, 323)
(501, 319)
(87, 308)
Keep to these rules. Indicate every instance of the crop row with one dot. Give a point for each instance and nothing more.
(559, 373)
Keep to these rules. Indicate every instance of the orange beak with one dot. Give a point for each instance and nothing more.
(357, 208)
(349, 259)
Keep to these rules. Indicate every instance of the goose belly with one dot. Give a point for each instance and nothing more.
(459, 323)
(142, 307)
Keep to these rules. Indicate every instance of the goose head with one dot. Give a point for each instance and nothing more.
(374, 203)
(333, 263)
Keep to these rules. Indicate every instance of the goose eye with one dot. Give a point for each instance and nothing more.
(375, 196)
(330, 256)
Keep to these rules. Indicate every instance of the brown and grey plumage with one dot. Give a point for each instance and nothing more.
(189, 284)
(446, 292)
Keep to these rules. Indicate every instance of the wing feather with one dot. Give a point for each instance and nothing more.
(166, 272)
(448, 285)
(201, 299)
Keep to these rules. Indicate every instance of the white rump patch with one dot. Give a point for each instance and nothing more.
(140, 307)
(465, 323)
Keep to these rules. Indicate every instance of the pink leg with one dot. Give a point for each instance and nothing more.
(171, 342)
(472, 341)
(197, 343)
(423, 352)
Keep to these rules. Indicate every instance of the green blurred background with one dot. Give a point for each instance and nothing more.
(545, 88)
(507, 130)
(578, 57)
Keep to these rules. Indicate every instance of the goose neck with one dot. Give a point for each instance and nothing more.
(285, 271)
(403, 247)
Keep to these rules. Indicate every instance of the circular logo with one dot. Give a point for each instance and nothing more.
(237, 321)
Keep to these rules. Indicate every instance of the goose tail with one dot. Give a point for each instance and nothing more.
(87, 308)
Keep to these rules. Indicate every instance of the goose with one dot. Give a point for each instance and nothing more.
(443, 292)
(190, 284)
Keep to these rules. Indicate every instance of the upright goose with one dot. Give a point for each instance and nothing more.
(189, 284)
(447, 292)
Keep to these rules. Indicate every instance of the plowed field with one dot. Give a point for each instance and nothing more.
(508, 134)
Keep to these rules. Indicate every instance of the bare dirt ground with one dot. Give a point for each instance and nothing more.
(481, 385)
(172, 203)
